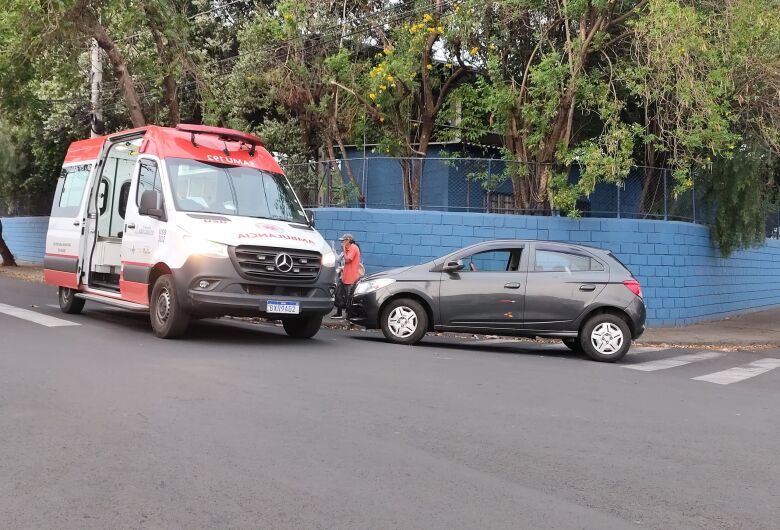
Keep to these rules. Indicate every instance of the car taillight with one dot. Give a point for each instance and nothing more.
(634, 287)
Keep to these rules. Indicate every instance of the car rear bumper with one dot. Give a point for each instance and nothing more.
(227, 293)
(637, 312)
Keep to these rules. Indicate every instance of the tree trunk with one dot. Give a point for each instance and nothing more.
(121, 72)
(169, 83)
(5, 252)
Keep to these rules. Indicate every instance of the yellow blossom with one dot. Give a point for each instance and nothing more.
(387, 51)
(427, 17)
(431, 30)
(449, 65)
(440, 29)
(381, 119)
(372, 96)
(429, 66)
(474, 50)
(382, 87)
(389, 78)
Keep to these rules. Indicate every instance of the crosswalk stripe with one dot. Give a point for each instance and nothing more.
(740, 373)
(32, 316)
(673, 362)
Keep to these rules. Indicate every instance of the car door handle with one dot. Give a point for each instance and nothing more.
(587, 287)
(76, 223)
(512, 285)
(130, 226)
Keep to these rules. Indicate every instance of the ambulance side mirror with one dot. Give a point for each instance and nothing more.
(152, 204)
(310, 216)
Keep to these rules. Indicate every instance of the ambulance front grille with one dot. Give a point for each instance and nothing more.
(278, 264)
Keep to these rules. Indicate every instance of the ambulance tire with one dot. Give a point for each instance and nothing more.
(302, 327)
(68, 301)
(169, 320)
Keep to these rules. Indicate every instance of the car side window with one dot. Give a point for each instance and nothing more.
(148, 179)
(497, 260)
(558, 261)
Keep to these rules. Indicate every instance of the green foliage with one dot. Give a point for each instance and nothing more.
(597, 84)
(742, 190)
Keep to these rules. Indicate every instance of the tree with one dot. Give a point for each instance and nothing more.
(288, 60)
(410, 82)
(549, 83)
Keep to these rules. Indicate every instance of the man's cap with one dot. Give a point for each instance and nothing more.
(347, 237)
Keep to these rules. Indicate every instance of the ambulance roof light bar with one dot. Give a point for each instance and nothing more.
(221, 132)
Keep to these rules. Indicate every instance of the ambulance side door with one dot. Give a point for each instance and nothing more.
(63, 260)
(145, 231)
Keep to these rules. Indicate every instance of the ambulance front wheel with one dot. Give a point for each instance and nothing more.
(169, 320)
(304, 327)
(68, 301)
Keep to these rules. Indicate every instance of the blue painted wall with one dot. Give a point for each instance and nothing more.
(26, 237)
(683, 277)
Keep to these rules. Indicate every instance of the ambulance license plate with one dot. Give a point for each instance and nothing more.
(290, 308)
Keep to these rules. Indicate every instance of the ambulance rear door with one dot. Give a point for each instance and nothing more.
(64, 240)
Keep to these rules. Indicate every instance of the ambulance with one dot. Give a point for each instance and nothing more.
(186, 223)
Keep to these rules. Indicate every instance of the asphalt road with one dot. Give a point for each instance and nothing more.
(104, 426)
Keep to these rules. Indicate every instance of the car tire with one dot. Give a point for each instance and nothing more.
(404, 321)
(605, 338)
(574, 345)
(302, 327)
(169, 320)
(69, 303)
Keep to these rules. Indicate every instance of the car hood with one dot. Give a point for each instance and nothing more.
(399, 271)
(234, 230)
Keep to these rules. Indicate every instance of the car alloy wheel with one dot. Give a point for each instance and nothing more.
(402, 322)
(607, 338)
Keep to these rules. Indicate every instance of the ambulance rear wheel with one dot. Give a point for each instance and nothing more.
(69, 303)
(169, 320)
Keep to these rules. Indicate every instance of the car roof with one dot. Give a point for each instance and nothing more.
(492, 242)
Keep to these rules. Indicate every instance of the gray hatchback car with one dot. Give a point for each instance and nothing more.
(582, 295)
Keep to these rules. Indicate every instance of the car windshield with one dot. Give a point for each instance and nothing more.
(228, 190)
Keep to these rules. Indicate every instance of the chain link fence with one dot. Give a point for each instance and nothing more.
(483, 185)
(27, 206)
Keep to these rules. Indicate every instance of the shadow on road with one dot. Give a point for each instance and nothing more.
(503, 348)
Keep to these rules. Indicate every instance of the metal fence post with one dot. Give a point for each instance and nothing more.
(666, 208)
(693, 199)
(618, 200)
(489, 185)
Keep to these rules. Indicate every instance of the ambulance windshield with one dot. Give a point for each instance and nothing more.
(206, 187)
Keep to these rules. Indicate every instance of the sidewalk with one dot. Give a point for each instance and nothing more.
(748, 329)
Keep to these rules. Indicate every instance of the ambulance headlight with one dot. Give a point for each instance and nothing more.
(204, 247)
(328, 258)
(369, 286)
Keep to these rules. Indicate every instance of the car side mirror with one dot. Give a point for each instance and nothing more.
(151, 204)
(310, 217)
(453, 266)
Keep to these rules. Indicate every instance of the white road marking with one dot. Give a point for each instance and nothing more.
(673, 362)
(740, 373)
(32, 316)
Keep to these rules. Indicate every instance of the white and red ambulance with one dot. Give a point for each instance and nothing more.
(186, 222)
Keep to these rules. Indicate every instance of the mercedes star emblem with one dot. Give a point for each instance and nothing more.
(284, 262)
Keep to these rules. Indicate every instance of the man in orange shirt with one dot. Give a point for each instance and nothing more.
(350, 273)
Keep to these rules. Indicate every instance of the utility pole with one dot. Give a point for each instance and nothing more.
(96, 81)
